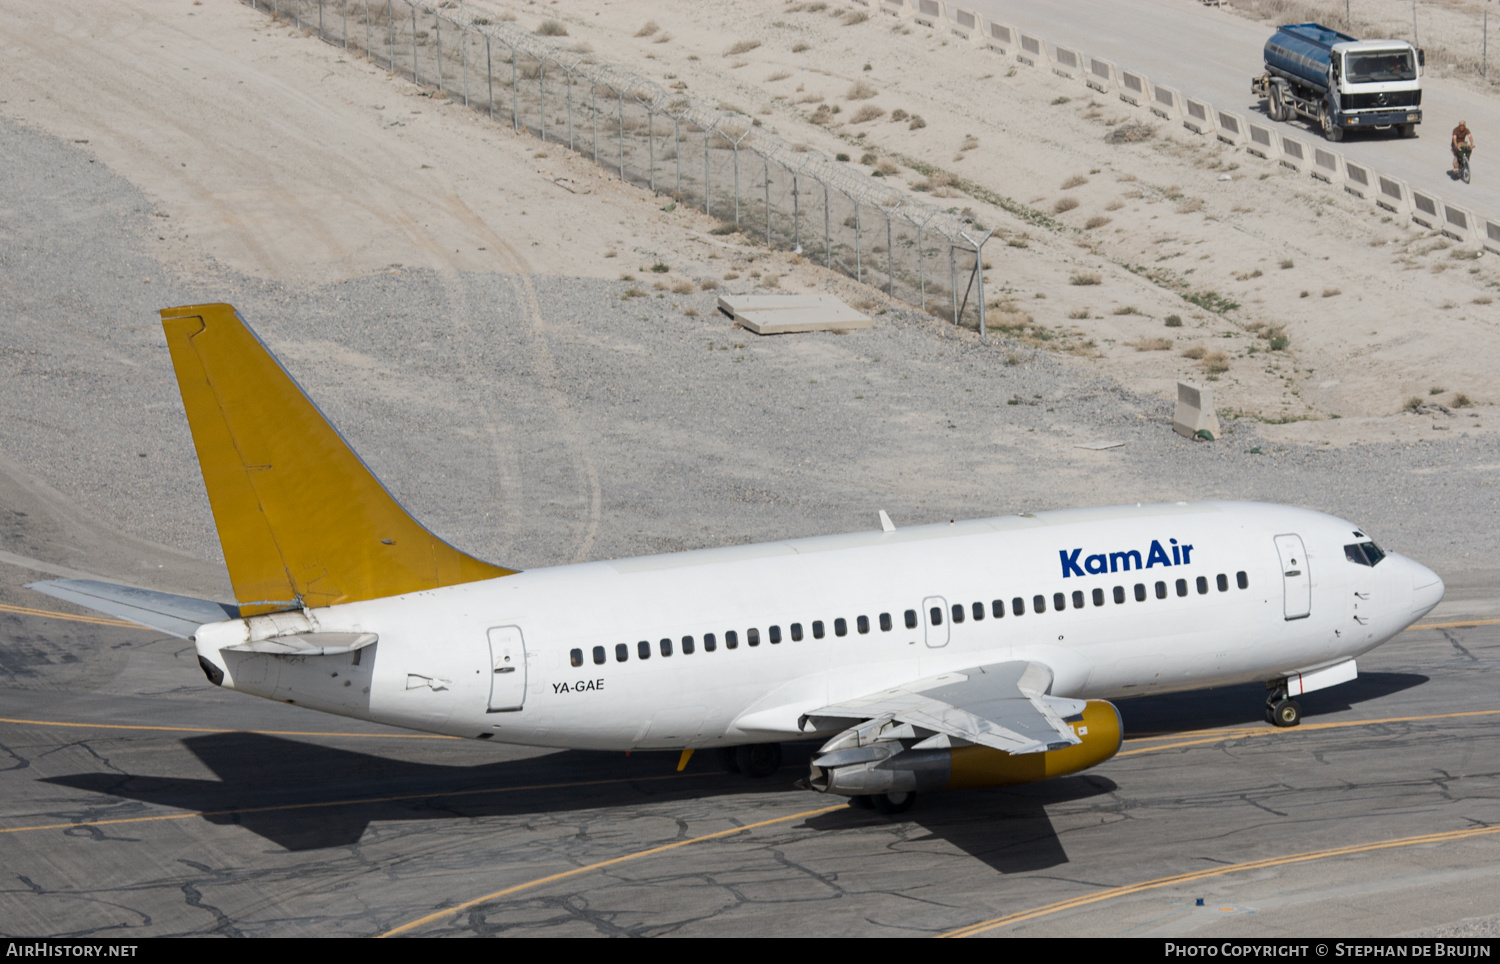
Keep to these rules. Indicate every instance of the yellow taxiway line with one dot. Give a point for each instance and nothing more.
(1136, 888)
(637, 855)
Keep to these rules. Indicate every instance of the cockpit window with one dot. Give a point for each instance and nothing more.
(1379, 66)
(1363, 553)
(1372, 552)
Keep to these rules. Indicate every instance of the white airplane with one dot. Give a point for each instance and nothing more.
(977, 653)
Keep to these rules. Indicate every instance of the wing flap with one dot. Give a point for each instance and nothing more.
(1004, 706)
(178, 616)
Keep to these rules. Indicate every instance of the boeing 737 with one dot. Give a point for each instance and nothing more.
(976, 653)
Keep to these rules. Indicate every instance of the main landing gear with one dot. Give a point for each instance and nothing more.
(886, 803)
(1281, 710)
(758, 760)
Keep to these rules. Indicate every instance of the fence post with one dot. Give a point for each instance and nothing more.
(827, 231)
(979, 273)
(569, 74)
(677, 153)
(437, 26)
(622, 134)
(650, 146)
(707, 192)
(390, 37)
(344, 9)
(413, 42)
(953, 279)
(541, 86)
(766, 161)
(890, 258)
(515, 91)
(921, 276)
(463, 56)
(736, 146)
(489, 74)
(594, 113)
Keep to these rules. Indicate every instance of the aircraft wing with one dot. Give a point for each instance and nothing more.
(1003, 705)
(178, 616)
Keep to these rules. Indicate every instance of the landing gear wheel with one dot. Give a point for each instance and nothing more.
(894, 803)
(1286, 713)
(728, 759)
(861, 802)
(758, 759)
(1331, 130)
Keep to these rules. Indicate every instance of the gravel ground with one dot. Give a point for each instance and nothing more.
(538, 421)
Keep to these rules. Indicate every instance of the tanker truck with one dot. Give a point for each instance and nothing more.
(1339, 82)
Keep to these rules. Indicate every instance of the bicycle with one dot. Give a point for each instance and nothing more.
(1463, 163)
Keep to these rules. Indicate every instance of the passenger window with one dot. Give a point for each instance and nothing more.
(709, 643)
(1038, 604)
(575, 657)
(1223, 581)
(840, 627)
(1018, 606)
(731, 640)
(1242, 579)
(1059, 602)
(666, 647)
(1161, 590)
(644, 648)
(774, 633)
(978, 609)
(1119, 594)
(687, 645)
(1098, 596)
(1182, 587)
(752, 637)
(911, 619)
(817, 629)
(958, 612)
(1202, 585)
(796, 632)
(936, 614)
(598, 655)
(885, 622)
(622, 652)
(1140, 592)
(1078, 599)
(997, 608)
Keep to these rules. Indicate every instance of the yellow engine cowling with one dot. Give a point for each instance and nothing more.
(980, 766)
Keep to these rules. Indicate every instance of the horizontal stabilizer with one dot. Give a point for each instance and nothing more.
(308, 644)
(178, 616)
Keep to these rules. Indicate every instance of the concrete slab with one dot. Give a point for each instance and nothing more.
(783, 314)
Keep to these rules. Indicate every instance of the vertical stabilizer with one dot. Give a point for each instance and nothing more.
(302, 520)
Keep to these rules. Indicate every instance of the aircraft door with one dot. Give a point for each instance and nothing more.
(1296, 581)
(935, 621)
(507, 669)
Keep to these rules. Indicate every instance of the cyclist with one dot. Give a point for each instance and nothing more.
(1463, 142)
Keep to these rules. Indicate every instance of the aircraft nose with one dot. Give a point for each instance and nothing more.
(1426, 589)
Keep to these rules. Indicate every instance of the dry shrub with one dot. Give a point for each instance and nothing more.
(1215, 363)
(887, 169)
(1114, 205)
(1331, 292)
(1460, 400)
(866, 114)
(799, 47)
(1077, 180)
(708, 284)
(1097, 221)
(779, 75)
(682, 288)
(917, 123)
(731, 275)
(1130, 133)
(860, 91)
(742, 47)
(899, 115)
(1196, 352)
(667, 38)
(1126, 310)
(690, 312)
(1079, 314)
(1190, 205)
(551, 28)
(1085, 279)
(857, 16)
(647, 30)
(1174, 321)
(1151, 344)
(1064, 204)
(970, 142)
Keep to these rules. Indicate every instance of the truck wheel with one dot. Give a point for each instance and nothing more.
(1326, 120)
(1274, 107)
(1408, 130)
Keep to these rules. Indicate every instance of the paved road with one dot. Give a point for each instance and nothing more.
(1212, 54)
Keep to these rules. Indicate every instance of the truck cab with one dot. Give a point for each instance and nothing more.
(1340, 82)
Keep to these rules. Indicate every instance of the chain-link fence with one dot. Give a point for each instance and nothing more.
(787, 196)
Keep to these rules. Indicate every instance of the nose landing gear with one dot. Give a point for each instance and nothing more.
(1281, 710)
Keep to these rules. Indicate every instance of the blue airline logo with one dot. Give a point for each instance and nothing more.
(1102, 562)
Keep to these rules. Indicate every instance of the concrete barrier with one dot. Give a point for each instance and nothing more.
(1294, 154)
(1195, 412)
(1231, 127)
(1426, 209)
(1067, 62)
(1000, 36)
(1358, 180)
(1489, 235)
(1326, 165)
(1166, 103)
(1458, 223)
(1134, 88)
(1262, 142)
(1391, 194)
(1197, 116)
(896, 8)
(929, 12)
(967, 24)
(1101, 75)
(1033, 50)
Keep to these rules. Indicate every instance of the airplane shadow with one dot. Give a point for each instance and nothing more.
(1245, 704)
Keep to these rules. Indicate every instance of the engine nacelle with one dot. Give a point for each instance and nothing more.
(887, 766)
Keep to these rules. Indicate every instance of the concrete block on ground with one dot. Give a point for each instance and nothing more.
(1262, 142)
(1195, 412)
(1426, 209)
(1294, 154)
(1197, 115)
(1033, 50)
(966, 24)
(1489, 234)
(1067, 62)
(1134, 88)
(1166, 102)
(1231, 127)
(1459, 224)
(1101, 75)
(1358, 180)
(1391, 194)
(1000, 37)
(896, 8)
(929, 12)
(782, 314)
(1327, 165)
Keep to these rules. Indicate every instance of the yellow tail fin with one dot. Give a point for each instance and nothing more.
(302, 519)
